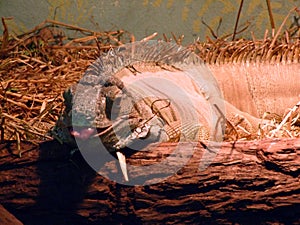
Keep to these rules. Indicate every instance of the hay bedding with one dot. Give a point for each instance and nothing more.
(36, 67)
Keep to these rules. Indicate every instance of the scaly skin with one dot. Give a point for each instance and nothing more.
(257, 88)
(249, 91)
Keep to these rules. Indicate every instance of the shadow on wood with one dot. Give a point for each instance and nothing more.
(247, 183)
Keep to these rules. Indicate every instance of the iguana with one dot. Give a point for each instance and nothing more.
(154, 91)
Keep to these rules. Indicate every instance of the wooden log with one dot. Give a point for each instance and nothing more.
(247, 182)
(6, 218)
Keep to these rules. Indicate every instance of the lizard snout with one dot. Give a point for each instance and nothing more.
(82, 133)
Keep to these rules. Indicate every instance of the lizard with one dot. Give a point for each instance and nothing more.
(160, 92)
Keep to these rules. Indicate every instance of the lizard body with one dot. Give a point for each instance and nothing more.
(117, 99)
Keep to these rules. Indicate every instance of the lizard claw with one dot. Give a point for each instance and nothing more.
(122, 161)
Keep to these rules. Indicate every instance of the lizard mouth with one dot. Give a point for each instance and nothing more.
(83, 133)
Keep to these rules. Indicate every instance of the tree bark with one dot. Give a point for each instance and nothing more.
(6, 218)
(246, 183)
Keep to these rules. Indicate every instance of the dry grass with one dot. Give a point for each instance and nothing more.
(280, 47)
(36, 67)
(221, 51)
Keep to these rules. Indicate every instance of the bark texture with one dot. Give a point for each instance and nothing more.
(6, 218)
(247, 183)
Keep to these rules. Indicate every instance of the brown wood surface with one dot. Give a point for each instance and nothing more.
(253, 182)
(6, 218)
